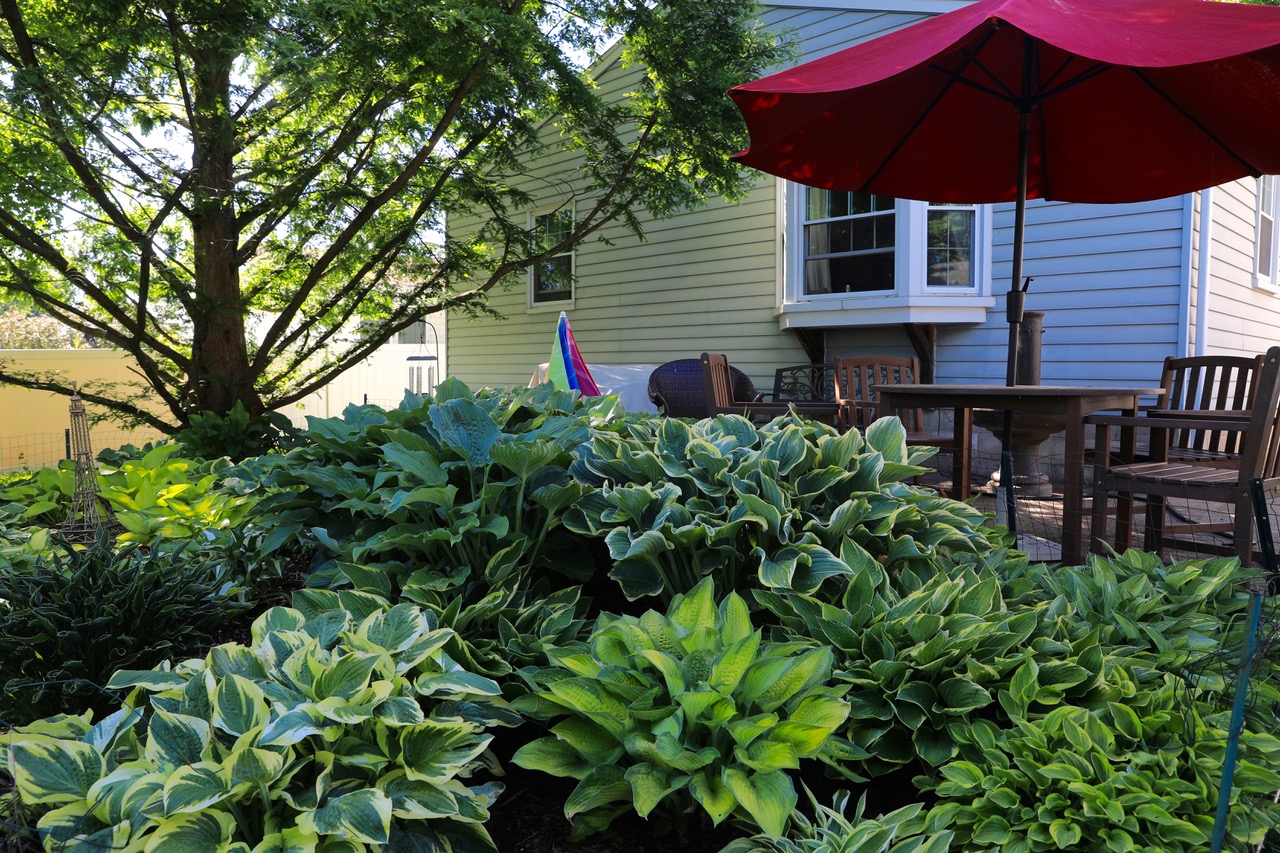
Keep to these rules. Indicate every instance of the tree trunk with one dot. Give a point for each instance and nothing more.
(220, 375)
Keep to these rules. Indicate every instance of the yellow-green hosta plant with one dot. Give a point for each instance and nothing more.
(337, 733)
(674, 712)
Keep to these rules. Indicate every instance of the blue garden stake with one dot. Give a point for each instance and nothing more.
(1258, 587)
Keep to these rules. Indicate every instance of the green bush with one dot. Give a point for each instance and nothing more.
(663, 712)
(339, 733)
(235, 436)
(76, 615)
(787, 506)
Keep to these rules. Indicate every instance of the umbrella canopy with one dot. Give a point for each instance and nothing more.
(1121, 100)
(567, 369)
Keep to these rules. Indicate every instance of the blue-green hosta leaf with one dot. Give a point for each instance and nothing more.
(467, 429)
(800, 568)
(456, 685)
(73, 828)
(176, 739)
(888, 437)
(184, 833)
(637, 561)
(713, 795)
(438, 751)
(601, 787)
(54, 771)
(766, 754)
(649, 786)
(959, 696)
(363, 815)
(193, 787)
(769, 798)
(554, 756)
(238, 705)
(788, 448)
(419, 464)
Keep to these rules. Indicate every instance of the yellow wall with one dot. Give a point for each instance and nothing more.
(33, 424)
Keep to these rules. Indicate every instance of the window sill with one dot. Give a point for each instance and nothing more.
(1270, 286)
(864, 310)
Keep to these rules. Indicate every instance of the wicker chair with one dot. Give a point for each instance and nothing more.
(678, 390)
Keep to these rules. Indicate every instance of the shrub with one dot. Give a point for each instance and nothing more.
(786, 507)
(665, 712)
(236, 435)
(75, 616)
(335, 733)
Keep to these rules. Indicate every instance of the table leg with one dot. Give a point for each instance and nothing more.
(962, 461)
(1073, 486)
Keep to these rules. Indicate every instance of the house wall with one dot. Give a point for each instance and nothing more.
(1242, 318)
(710, 279)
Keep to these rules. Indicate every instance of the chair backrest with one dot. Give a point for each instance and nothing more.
(804, 383)
(717, 381)
(1260, 456)
(1208, 383)
(855, 376)
(679, 390)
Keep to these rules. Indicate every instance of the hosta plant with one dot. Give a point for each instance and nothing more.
(787, 506)
(831, 831)
(669, 713)
(1137, 775)
(339, 733)
(74, 615)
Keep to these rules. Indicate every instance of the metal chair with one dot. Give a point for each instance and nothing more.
(804, 383)
(677, 388)
(1219, 476)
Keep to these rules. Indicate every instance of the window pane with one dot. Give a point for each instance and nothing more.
(950, 249)
(554, 227)
(553, 280)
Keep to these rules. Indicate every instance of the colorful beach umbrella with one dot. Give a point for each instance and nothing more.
(567, 369)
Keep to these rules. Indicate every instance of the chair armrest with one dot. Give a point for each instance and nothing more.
(1162, 422)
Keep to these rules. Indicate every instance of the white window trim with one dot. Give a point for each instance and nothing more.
(1269, 281)
(911, 301)
(559, 304)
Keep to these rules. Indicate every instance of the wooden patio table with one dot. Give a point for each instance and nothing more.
(1072, 402)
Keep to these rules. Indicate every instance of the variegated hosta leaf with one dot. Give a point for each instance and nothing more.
(183, 833)
(238, 705)
(73, 828)
(194, 787)
(289, 840)
(436, 751)
(120, 794)
(363, 815)
(48, 772)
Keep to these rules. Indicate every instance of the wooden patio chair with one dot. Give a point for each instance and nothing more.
(721, 399)
(678, 388)
(1212, 472)
(1207, 387)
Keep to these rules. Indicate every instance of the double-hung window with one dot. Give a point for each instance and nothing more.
(862, 259)
(1268, 243)
(551, 280)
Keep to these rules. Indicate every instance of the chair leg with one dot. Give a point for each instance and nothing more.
(1244, 529)
(1153, 535)
(1098, 528)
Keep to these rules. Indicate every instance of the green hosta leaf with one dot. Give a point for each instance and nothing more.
(768, 797)
(554, 756)
(649, 786)
(176, 739)
(185, 833)
(589, 739)
(821, 710)
(467, 429)
(696, 609)
(735, 619)
(713, 795)
(238, 705)
(960, 696)
(601, 787)
(588, 698)
(193, 787)
(764, 755)
(1066, 835)
(54, 771)
(668, 666)
(421, 464)
(363, 815)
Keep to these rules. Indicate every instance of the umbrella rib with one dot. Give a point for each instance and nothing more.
(1253, 170)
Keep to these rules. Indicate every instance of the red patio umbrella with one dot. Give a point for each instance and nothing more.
(1075, 100)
